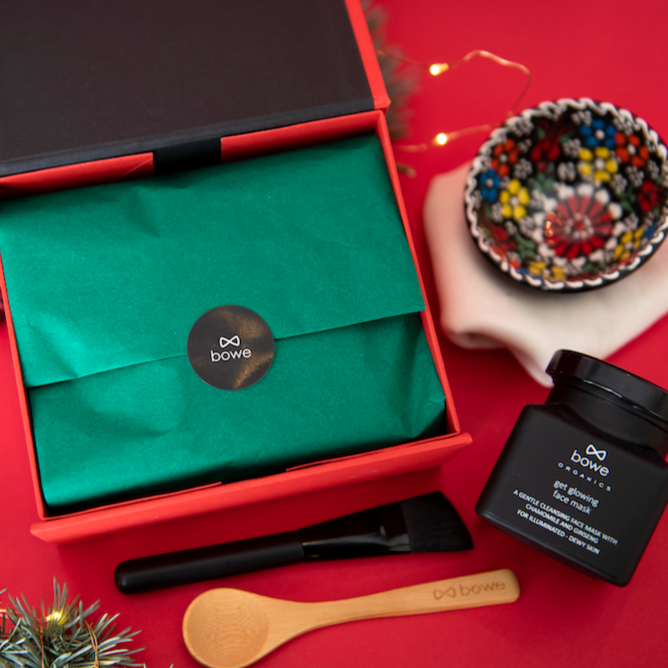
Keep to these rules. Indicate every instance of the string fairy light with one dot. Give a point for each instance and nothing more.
(436, 69)
(56, 616)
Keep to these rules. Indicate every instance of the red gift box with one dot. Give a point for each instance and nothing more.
(297, 497)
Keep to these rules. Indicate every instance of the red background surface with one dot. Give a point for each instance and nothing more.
(615, 53)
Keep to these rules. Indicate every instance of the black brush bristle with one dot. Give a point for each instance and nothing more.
(434, 525)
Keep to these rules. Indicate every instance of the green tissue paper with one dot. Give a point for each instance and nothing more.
(105, 284)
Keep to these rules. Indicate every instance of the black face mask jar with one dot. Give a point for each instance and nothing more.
(583, 478)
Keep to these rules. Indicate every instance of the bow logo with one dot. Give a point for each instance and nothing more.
(439, 594)
(234, 341)
(601, 454)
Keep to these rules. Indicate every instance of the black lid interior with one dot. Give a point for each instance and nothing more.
(91, 79)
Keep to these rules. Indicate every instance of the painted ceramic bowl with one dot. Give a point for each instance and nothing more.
(570, 195)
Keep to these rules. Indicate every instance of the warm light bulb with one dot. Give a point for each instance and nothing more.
(435, 69)
(438, 68)
(55, 616)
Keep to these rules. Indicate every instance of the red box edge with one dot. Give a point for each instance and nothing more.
(91, 173)
(381, 99)
(235, 147)
(332, 475)
(253, 144)
(427, 319)
(23, 399)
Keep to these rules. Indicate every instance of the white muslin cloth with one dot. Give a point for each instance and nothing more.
(482, 308)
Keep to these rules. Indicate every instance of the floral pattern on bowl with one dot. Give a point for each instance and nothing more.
(570, 195)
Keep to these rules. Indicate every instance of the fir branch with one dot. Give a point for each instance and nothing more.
(400, 78)
(62, 636)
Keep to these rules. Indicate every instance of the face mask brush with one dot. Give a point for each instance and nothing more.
(427, 523)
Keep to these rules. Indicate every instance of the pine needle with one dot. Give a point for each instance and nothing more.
(62, 636)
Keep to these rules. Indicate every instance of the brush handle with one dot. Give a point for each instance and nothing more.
(470, 591)
(206, 563)
(427, 523)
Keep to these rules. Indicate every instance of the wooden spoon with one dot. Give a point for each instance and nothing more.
(229, 628)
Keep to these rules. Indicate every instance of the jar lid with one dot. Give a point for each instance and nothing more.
(637, 391)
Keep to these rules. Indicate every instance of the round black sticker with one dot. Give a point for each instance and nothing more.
(230, 347)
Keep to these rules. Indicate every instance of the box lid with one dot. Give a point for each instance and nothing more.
(92, 80)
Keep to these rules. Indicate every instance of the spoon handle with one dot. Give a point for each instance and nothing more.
(470, 591)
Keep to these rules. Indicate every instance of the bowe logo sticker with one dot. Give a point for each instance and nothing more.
(230, 347)
(227, 355)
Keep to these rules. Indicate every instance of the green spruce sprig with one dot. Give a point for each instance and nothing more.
(400, 78)
(62, 636)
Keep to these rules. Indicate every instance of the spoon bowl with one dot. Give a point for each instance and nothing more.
(227, 627)
(230, 628)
